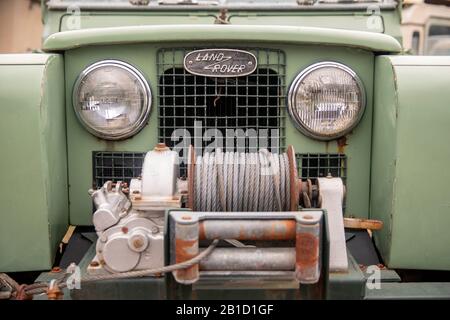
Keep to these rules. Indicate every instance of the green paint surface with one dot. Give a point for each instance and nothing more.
(34, 207)
(385, 21)
(219, 33)
(410, 156)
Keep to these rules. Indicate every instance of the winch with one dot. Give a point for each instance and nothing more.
(254, 202)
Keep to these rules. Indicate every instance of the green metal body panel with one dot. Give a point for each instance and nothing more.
(349, 285)
(34, 205)
(410, 291)
(143, 56)
(386, 21)
(224, 33)
(409, 189)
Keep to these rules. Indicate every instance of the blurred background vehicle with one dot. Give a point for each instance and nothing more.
(426, 27)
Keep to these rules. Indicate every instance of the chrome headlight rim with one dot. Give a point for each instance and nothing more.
(142, 120)
(295, 85)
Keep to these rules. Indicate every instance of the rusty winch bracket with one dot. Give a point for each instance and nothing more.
(305, 229)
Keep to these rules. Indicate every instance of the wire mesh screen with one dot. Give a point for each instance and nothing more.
(116, 166)
(317, 165)
(244, 113)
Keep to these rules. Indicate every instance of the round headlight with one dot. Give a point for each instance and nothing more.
(326, 100)
(112, 99)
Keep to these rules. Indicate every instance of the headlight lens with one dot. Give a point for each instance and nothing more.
(112, 99)
(326, 100)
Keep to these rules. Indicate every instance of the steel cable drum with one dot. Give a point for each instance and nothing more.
(241, 182)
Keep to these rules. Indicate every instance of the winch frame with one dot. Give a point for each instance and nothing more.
(185, 229)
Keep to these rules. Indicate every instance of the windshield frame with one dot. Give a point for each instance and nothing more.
(154, 6)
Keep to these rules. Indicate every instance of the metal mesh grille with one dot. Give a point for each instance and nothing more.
(316, 165)
(116, 166)
(253, 102)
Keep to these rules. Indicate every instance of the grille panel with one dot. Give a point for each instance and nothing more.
(116, 166)
(254, 102)
(317, 165)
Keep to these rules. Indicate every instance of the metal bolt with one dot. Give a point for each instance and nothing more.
(155, 229)
(307, 217)
(138, 243)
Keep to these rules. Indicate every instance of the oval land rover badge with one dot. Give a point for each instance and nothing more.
(220, 63)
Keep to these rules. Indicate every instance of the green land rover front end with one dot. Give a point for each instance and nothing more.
(319, 123)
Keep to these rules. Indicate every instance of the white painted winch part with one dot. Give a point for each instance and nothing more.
(135, 243)
(160, 173)
(332, 194)
(111, 204)
(118, 256)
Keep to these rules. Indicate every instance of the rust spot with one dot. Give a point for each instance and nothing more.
(56, 270)
(109, 145)
(124, 229)
(186, 218)
(243, 235)
(55, 293)
(186, 250)
(94, 264)
(278, 230)
(282, 230)
(381, 266)
(342, 143)
(201, 231)
(161, 147)
(307, 250)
